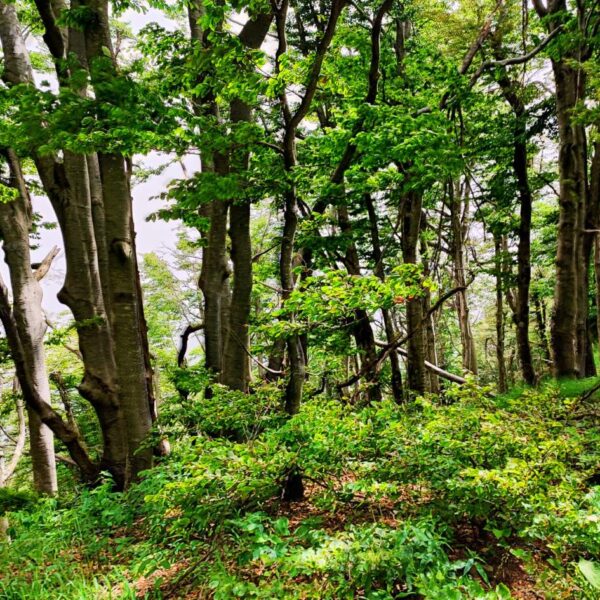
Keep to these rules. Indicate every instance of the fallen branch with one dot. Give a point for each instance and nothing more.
(390, 346)
(437, 370)
(587, 395)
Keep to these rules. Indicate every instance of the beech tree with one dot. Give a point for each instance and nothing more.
(360, 137)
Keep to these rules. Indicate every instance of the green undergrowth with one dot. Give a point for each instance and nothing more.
(467, 496)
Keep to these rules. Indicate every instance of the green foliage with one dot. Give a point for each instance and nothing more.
(516, 467)
(15, 500)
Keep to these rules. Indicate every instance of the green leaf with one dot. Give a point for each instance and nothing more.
(591, 571)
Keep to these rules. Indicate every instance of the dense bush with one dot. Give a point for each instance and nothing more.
(517, 469)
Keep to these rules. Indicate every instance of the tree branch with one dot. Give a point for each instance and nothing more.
(515, 60)
(185, 336)
(43, 267)
(394, 344)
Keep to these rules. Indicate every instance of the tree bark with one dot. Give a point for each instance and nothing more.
(76, 189)
(569, 338)
(459, 210)
(500, 329)
(15, 225)
(595, 204)
(520, 165)
(236, 372)
(379, 270)
(411, 229)
(361, 328)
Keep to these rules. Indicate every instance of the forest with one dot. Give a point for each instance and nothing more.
(300, 299)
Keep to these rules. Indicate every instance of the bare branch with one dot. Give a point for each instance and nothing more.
(43, 267)
(185, 336)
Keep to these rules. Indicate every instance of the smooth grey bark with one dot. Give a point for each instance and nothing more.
(126, 315)
(116, 250)
(459, 211)
(411, 228)
(361, 328)
(8, 470)
(15, 227)
(569, 336)
(235, 368)
(212, 281)
(73, 187)
(31, 394)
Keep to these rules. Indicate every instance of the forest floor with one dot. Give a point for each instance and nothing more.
(475, 496)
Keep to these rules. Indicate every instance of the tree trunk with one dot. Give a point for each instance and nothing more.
(126, 311)
(520, 164)
(569, 336)
(361, 328)
(15, 225)
(459, 227)
(388, 322)
(411, 228)
(569, 317)
(595, 205)
(235, 355)
(433, 382)
(502, 384)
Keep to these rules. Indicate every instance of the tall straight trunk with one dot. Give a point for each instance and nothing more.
(569, 317)
(227, 319)
(361, 328)
(523, 252)
(588, 217)
(388, 322)
(67, 187)
(589, 251)
(82, 292)
(126, 310)
(540, 319)
(595, 211)
(294, 488)
(73, 186)
(214, 275)
(459, 211)
(15, 225)
(126, 316)
(520, 163)
(296, 359)
(411, 228)
(569, 336)
(41, 449)
(433, 382)
(500, 329)
(235, 373)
